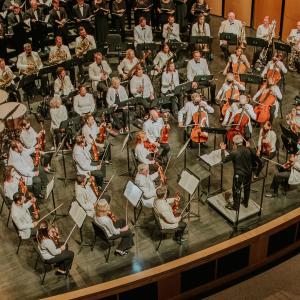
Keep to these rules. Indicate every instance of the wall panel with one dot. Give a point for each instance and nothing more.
(242, 9)
(271, 8)
(216, 7)
(291, 16)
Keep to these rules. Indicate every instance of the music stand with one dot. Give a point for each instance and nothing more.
(283, 47)
(203, 78)
(25, 81)
(50, 191)
(251, 78)
(183, 149)
(256, 42)
(201, 39)
(182, 88)
(134, 194)
(189, 182)
(231, 38)
(126, 143)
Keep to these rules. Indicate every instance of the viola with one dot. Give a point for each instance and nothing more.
(175, 205)
(149, 146)
(197, 135)
(265, 147)
(112, 216)
(42, 138)
(102, 134)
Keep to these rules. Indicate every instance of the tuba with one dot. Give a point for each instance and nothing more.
(83, 47)
(6, 80)
(58, 56)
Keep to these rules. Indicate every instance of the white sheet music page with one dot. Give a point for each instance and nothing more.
(213, 158)
(77, 213)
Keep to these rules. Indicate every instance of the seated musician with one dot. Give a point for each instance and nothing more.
(167, 219)
(200, 7)
(264, 31)
(92, 132)
(99, 72)
(29, 63)
(58, 18)
(293, 119)
(114, 227)
(162, 58)
(142, 33)
(59, 53)
(141, 87)
(84, 102)
(20, 159)
(7, 80)
(290, 172)
(192, 107)
(84, 164)
(165, 9)
(228, 93)
(267, 106)
(275, 68)
(127, 65)
(237, 64)
(143, 154)
(266, 146)
(21, 216)
(170, 31)
(238, 119)
(115, 95)
(231, 25)
(85, 195)
(200, 28)
(169, 80)
(11, 182)
(52, 252)
(58, 114)
(153, 128)
(198, 66)
(30, 138)
(62, 84)
(294, 40)
(146, 183)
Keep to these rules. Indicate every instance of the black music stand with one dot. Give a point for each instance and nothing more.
(27, 79)
(251, 78)
(231, 38)
(203, 78)
(145, 47)
(183, 88)
(201, 39)
(256, 42)
(215, 131)
(283, 47)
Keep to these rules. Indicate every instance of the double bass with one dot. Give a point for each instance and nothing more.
(240, 120)
(199, 119)
(262, 110)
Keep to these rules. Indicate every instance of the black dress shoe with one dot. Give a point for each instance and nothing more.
(230, 206)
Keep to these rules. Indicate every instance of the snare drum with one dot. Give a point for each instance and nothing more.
(3, 96)
(14, 119)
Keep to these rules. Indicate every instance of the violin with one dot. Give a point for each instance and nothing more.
(164, 135)
(112, 216)
(149, 146)
(199, 119)
(54, 234)
(163, 177)
(102, 130)
(37, 156)
(95, 152)
(22, 186)
(265, 147)
(175, 205)
(36, 211)
(94, 186)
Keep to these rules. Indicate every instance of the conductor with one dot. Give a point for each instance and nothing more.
(241, 158)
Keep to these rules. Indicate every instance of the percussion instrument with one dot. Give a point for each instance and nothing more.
(16, 117)
(3, 96)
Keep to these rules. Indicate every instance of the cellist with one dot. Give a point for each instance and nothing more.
(229, 93)
(274, 68)
(237, 64)
(267, 107)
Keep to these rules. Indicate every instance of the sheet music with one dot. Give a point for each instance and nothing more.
(77, 213)
(133, 193)
(49, 188)
(213, 158)
(188, 182)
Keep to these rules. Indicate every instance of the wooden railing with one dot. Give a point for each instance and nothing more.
(205, 269)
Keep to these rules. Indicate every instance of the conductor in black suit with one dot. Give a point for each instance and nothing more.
(82, 11)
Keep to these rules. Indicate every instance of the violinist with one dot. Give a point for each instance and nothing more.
(153, 129)
(289, 171)
(167, 220)
(11, 182)
(91, 133)
(84, 164)
(20, 158)
(266, 146)
(267, 107)
(146, 183)
(85, 195)
(228, 93)
(53, 253)
(114, 227)
(114, 97)
(237, 64)
(274, 69)
(30, 139)
(21, 216)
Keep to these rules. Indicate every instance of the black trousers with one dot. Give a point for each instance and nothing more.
(180, 231)
(280, 178)
(39, 182)
(99, 174)
(225, 50)
(165, 149)
(120, 25)
(120, 118)
(126, 236)
(64, 260)
(237, 183)
(261, 163)
(212, 87)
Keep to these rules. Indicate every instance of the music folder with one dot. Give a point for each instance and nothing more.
(202, 78)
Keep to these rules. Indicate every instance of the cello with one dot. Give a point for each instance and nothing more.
(238, 68)
(274, 73)
(231, 95)
(199, 119)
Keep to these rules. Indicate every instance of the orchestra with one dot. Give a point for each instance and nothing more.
(99, 84)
